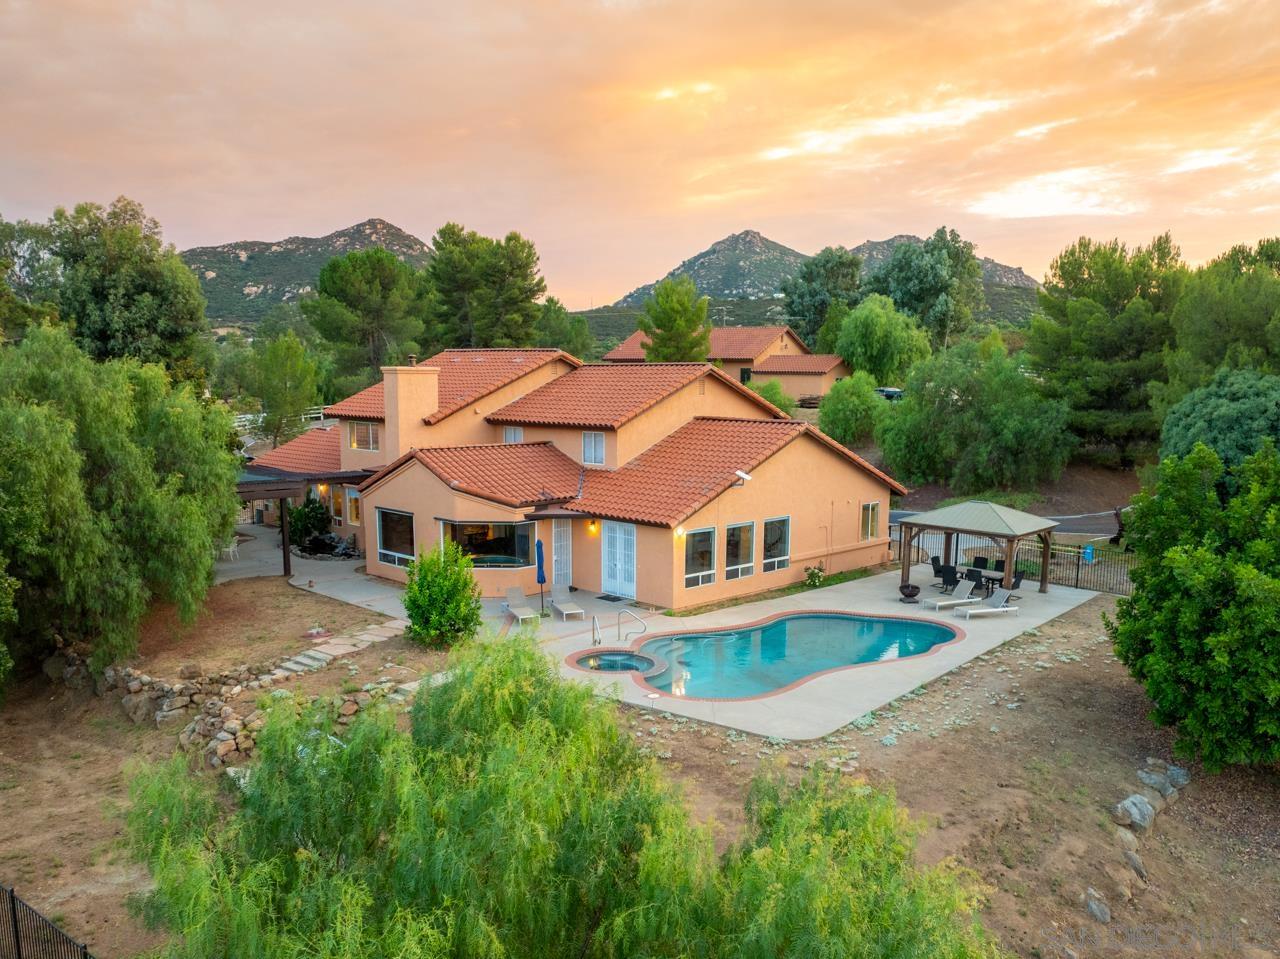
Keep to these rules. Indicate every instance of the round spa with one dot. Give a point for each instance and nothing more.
(616, 661)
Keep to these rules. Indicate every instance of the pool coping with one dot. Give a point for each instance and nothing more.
(639, 678)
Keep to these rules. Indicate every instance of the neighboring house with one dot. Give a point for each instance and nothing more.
(744, 352)
(667, 483)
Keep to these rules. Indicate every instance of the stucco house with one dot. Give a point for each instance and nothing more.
(667, 483)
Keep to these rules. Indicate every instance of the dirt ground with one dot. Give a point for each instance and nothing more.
(1082, 488)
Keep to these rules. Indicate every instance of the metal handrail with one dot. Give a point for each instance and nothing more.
(644, 627)
(596, 638)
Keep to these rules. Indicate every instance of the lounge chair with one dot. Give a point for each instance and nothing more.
(961, 597)
(995, 603)
(565, 606)
(518, 606)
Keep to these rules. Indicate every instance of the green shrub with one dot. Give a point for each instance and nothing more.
(772, 391)
(878, 340)
(1200, 629)
(442, 597)
(309, 518)
(848, 413)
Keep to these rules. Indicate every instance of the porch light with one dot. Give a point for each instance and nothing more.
(591, 527)
(679, 531)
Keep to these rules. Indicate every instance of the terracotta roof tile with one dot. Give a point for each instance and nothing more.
(607, 395)
(727, 343)
(316, 451)
(465, 376)
(797, 363)
(514, 474)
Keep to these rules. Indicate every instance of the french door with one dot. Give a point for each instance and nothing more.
(561, 552)
(618, 560)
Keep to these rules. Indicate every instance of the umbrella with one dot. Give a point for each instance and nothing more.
(542, 571)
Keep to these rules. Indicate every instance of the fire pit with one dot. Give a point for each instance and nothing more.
(909, 592)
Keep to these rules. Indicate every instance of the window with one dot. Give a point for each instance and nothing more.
(777, 544)
(739, 550)
(744, 375)
(870, 520)
(362, 435)
(337, 500)
(593, 449)
(699, 557)
(353, 508)
(493, 544)
(513, 434)
(395, 537)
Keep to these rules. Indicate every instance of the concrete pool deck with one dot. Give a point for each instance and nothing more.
(819, 706)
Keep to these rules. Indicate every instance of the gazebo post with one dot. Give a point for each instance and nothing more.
(1010, 560)
(947, 539)
(1046, 549)
(284, 537)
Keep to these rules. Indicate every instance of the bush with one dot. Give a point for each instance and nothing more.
(772, 391)
(1199, 630)
(1232, 416)
(848, 413)
(442, 597)
(875, 338)
(517, 820)
(309, 518)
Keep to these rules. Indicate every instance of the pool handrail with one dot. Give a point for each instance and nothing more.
(644, 627)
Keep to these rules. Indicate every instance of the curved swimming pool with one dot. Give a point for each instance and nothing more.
(765, 657)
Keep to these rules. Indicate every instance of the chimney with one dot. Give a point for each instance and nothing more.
(409, 395)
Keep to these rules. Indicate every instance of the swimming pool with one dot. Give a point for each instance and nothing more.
(766, 657)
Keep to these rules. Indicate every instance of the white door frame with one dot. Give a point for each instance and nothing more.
(561, 552)
(613, 579)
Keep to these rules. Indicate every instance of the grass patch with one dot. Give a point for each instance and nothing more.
(834, 579)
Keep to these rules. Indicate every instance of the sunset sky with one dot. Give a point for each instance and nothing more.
(624, 135)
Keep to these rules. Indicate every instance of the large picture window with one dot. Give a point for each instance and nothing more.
(353, 507)
(739, 550)
(593, 449)
(870, 521)
(362, 435)
(777, 544)
(395, 537)
(489, 545)
(699, 557)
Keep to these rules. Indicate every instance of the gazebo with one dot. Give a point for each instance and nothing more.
(1003, 526)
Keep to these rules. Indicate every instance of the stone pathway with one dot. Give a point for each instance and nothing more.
(329, 648)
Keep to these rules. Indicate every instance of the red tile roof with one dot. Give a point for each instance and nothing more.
(607, 395)
(315, 452)
(727, 343)
(514, 474)
(465, 376)
(818, 363)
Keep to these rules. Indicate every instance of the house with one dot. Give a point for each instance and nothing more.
(763, 352)
(667, 483)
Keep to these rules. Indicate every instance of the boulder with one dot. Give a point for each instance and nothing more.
(1096, 906)
(1178, 777)
(1135, 811)
(139, 707)
(166, 716)
(1155, 780)
(55, 666)
(1136, 864)
(1126, 839)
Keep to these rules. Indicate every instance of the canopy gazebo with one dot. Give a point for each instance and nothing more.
(1003, 526)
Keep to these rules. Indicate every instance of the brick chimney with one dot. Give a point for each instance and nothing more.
(409, 394)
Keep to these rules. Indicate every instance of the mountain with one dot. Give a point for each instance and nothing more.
(743, 266)
(243, 281)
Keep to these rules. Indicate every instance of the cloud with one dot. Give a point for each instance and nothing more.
(1194, 160)
(1082, 191)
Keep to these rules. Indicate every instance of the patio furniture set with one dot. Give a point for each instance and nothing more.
(959, 588)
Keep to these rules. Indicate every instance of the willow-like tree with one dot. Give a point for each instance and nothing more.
(674, 319)
(877, 339)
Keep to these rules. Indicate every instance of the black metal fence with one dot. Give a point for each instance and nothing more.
(1100, 566)
(25, 934)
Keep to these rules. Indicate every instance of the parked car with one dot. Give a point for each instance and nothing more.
(890, 393)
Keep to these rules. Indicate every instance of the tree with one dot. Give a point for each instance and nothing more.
(876, 338)
(1199, 630)
(557, 327)
(1100, 341)
(974, 424)
(1233, 416)
(849, 411)
(15, 314)
(771, 390)
(675, 321)
(115, 488)
(441, 597)
(938, 281)
(284, 379)
(833, 276)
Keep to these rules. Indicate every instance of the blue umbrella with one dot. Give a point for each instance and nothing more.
(542, 570)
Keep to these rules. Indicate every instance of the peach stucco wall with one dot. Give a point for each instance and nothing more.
(706, 396)
(797, 385)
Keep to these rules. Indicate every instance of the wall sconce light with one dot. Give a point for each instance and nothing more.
(679, 531)
(591, 527)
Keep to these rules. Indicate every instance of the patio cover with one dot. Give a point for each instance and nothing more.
(998, 523)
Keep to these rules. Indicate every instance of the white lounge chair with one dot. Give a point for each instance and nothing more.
(518, 606)
(565, 606)
(995, 603)
(960, 597)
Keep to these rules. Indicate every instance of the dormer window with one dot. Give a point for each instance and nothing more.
(362, 435)
(592, 449)
(513, 434)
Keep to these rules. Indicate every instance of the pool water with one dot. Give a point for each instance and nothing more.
(616, 662)
(733, 664)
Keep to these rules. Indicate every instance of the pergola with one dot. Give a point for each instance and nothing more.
(253, 485)
(1004, 526)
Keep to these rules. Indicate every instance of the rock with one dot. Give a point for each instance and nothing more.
(225, 748)
(166, 716)
(55, 666)
(231, 726)
(1121, 814)
(1156, 800)
(189, 671)
(1127, 840)
(1136, 811)
(178, 702)
(1157, 764)
(1156, 780)
(348, 708)
(1096, 906)
(1136, 864)
(134, 686)
(1121, 881)
(1178, 777)
(139, 707)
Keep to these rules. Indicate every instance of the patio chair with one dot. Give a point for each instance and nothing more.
(565, 606)
(1016, 584)
(998, 567)
(936, 563)
(979, 562)
(231, 550)
(518, 606)
(961, 597)
(997, 602)
(949, 579)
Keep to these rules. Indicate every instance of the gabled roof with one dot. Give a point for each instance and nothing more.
(983, 518)
(513, 474)
(315, 452)
(465, 376)
(679, 475)
(607, 395)
(817, 363)
(727, 343)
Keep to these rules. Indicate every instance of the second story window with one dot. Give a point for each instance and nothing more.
(593, 449)
(362, 435)
(513, 434)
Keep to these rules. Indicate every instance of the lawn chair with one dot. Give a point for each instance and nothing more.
(997, 602)
(231, 550)
(518, 606)
(949, 579)
(1016, 584)
(961, 597)
(979, 562)
(998, 567)
(565, 606)
(936, 563)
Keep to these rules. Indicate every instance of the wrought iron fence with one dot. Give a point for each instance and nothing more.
(1095, 566)
(25, 934)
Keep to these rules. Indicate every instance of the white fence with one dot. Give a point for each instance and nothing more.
(249, 422)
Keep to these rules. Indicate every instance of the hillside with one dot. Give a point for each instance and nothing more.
(742, 266)
(875, 252)
(243, 281)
